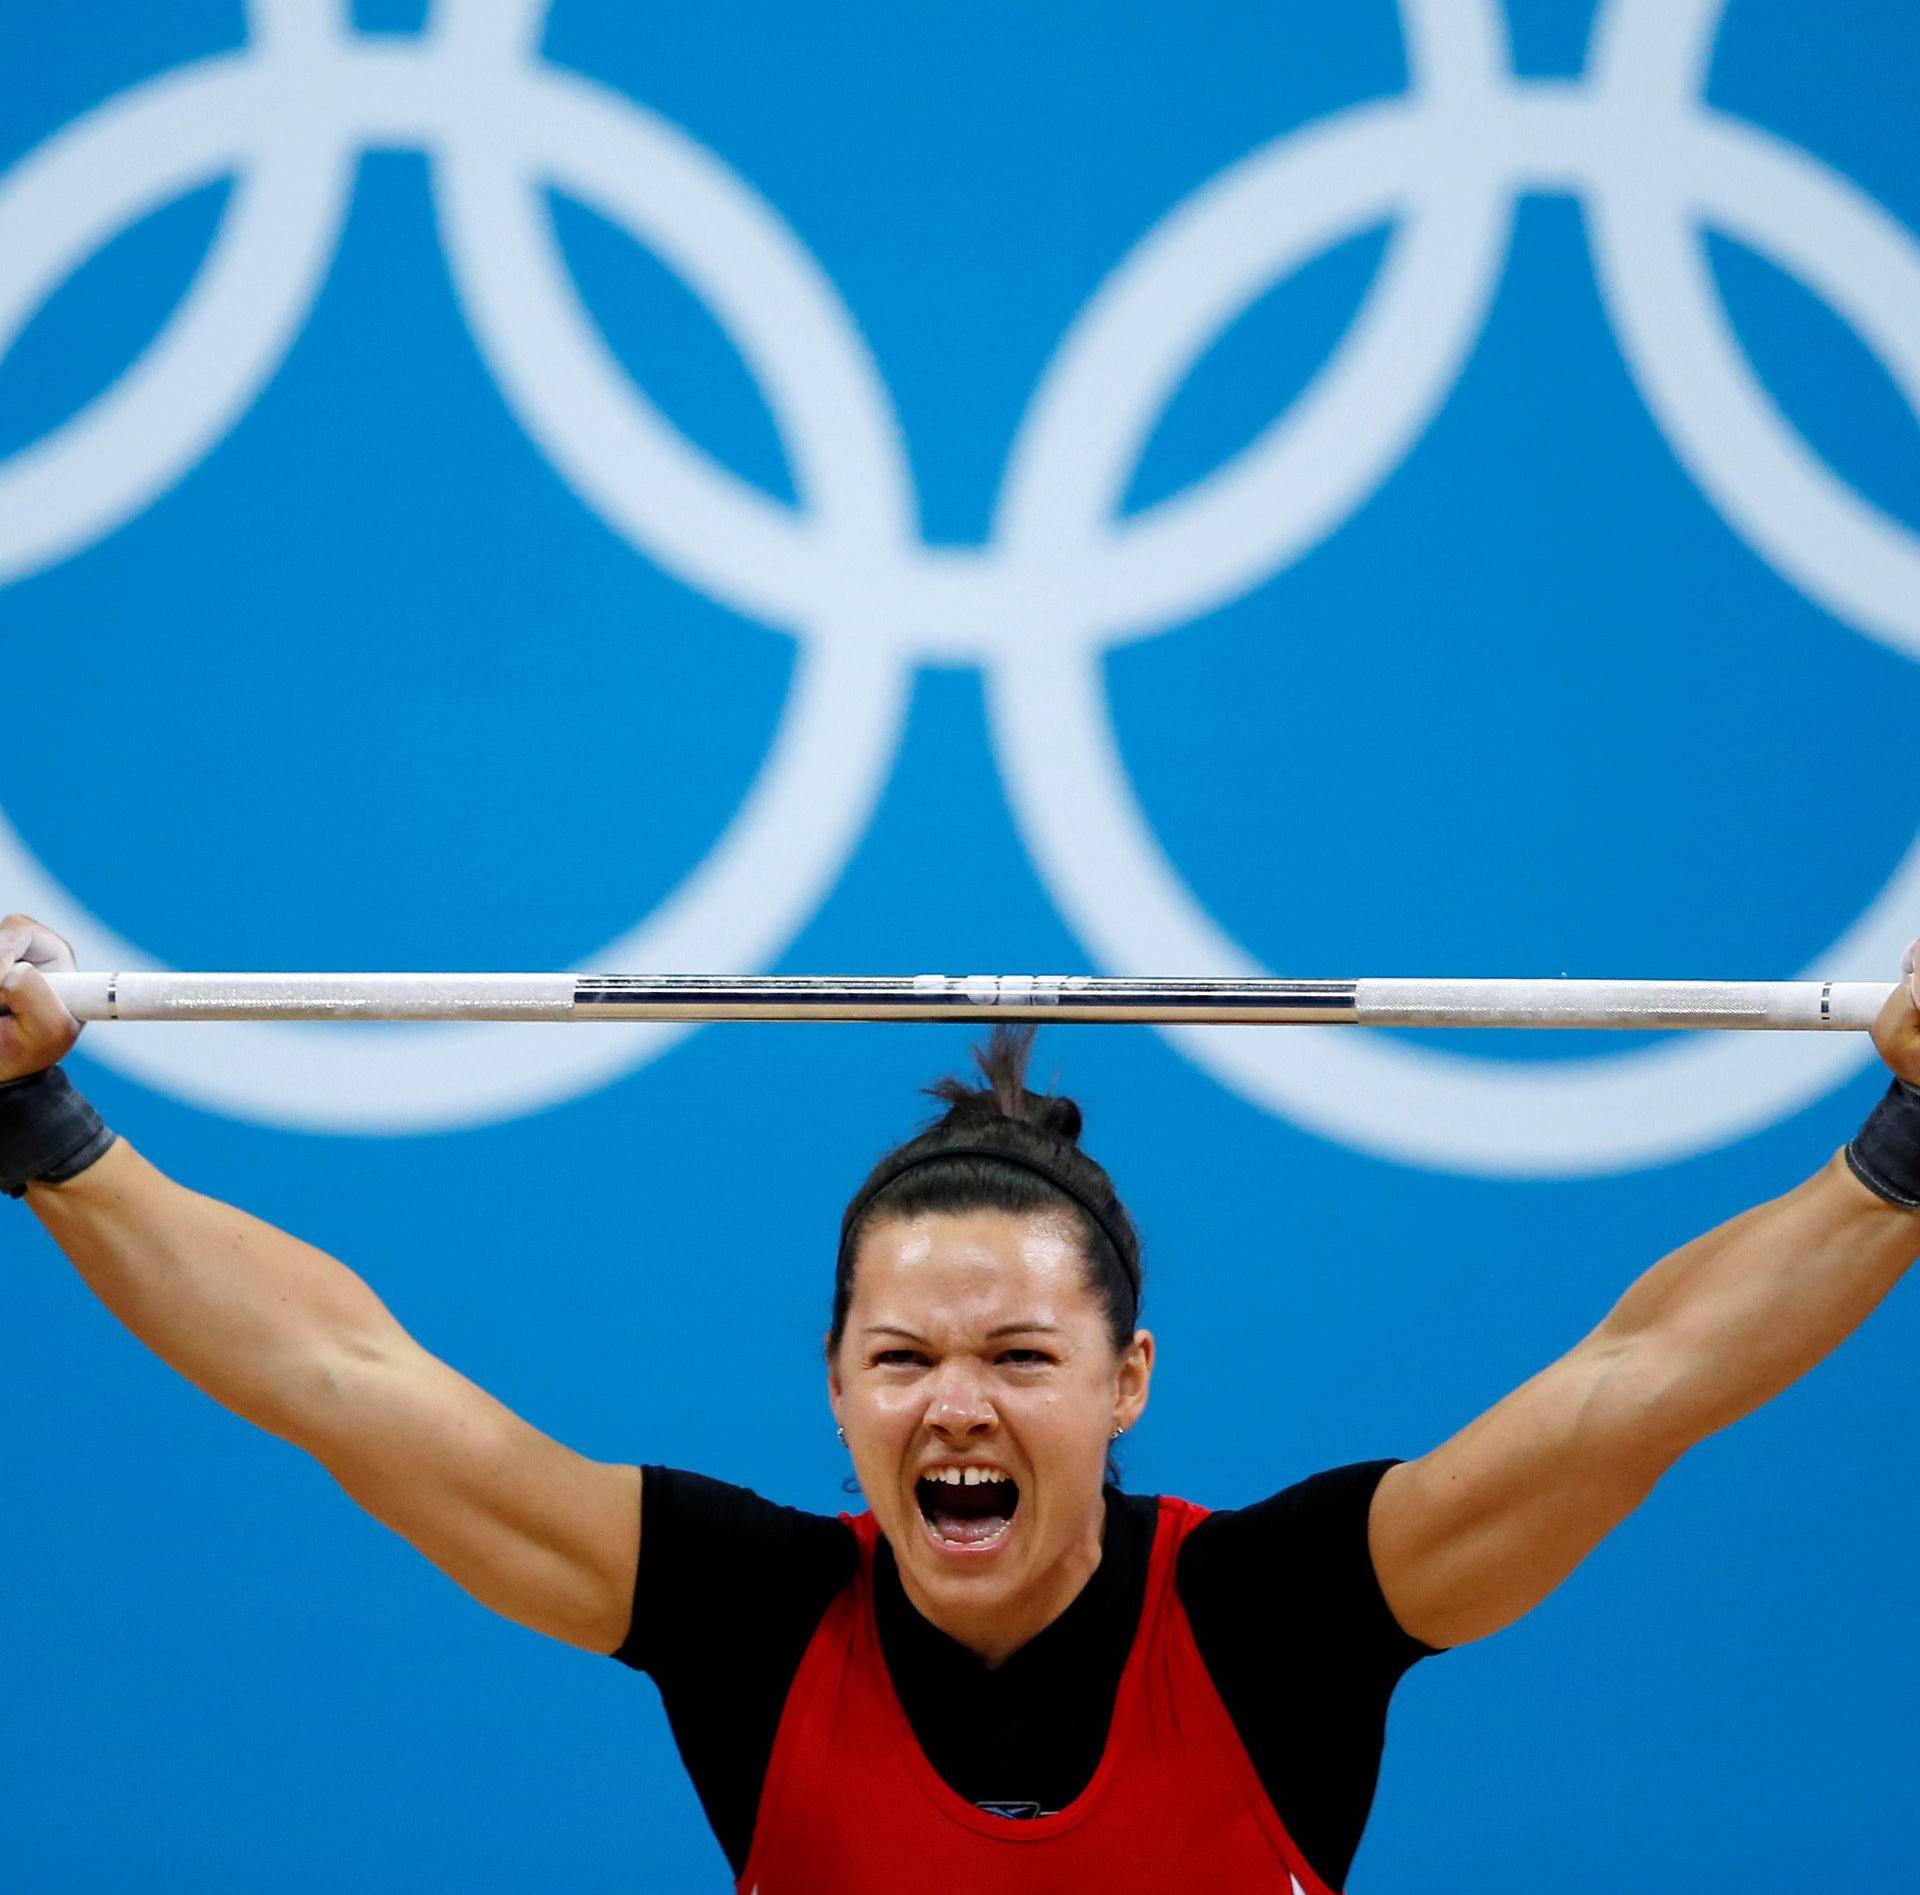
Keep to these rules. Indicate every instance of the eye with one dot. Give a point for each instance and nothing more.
(1026, 1358)
(898, 1359)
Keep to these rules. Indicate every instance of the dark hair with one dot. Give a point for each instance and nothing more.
(1039, 1128)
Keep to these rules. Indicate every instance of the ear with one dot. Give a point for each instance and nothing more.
(834, 1390)
(1134, 1379)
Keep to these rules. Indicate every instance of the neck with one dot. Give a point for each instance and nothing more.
(994, 1633)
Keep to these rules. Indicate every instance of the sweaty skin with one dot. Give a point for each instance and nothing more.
(974, 1339)
(1471, 1536)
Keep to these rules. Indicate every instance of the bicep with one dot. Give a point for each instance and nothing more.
(531, 1529)
(1476, 1533)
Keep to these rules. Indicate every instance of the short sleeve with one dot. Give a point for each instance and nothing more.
(709, 1556)
(1300, 1555)
(728, 1592)
(1298, 1638)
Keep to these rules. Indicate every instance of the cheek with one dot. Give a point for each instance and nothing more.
(882, 1416)
(1060, 1426)
(1083, 1419)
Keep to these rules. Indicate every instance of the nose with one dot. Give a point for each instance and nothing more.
(958, 1408)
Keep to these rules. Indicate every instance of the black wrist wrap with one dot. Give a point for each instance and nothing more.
(1885, 1156)
(48, 1133)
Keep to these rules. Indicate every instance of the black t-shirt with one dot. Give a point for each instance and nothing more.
(1282, 1597)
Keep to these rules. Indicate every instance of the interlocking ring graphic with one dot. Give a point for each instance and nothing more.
(1062, 577)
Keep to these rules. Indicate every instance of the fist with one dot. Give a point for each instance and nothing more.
(1897, 1031)
(36, 1031)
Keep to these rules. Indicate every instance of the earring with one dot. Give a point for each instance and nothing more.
(842, 1433)
(1116, 1434)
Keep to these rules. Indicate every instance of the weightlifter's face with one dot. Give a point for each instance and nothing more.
(979, 1391)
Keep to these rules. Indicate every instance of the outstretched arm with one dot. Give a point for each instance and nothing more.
(297, 1344)
(1479, 1531)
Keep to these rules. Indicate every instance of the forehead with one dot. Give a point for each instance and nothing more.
(965, 1268)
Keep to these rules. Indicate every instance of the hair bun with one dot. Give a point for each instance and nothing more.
(1002, 1060)
(1054, 1114)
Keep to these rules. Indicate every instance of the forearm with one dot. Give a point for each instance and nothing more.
(264, 1323)
(1469, 1537)
(1728, 1321)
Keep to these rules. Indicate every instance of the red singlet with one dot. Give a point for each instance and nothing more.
(852, 1805)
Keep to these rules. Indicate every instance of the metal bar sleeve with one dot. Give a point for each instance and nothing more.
(1809, 1005)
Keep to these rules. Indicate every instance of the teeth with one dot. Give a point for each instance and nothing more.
(965, 1476)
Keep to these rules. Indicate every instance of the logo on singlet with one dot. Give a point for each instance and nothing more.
(1016, 1812)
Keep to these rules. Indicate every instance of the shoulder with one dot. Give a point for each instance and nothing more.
(1303, 1552)
(715, 1554)
(1287, 1614)
(1329, 1505)
(676, 1503)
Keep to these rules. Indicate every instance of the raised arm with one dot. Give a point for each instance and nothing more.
(1479, 1531)
(294, 1342)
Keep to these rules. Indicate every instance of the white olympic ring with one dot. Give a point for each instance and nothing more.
(1062, 576)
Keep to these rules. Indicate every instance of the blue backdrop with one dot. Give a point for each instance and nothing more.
(889, 487)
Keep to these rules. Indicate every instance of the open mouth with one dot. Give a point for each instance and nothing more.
(967, 1508)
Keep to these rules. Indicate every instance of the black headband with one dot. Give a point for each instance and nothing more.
(1000, 1155)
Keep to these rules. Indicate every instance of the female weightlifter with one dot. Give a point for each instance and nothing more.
(1007, 1675)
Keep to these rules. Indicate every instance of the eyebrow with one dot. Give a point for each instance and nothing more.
(1004, 1329)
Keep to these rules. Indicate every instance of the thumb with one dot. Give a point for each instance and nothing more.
(37, 1030)
(1896, 1032)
